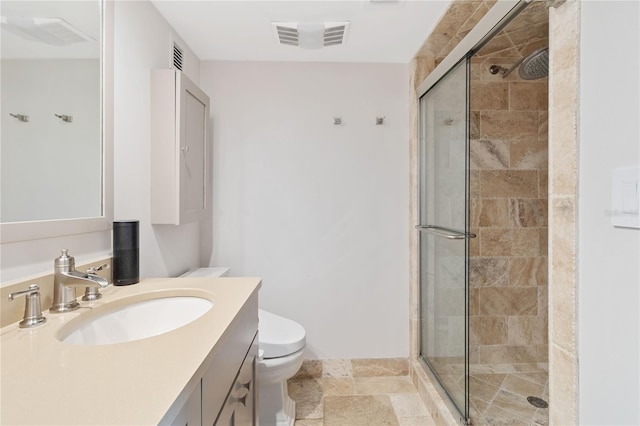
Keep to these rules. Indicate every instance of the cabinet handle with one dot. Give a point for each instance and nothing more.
(246, 386)
(242, 400)
(185, 149)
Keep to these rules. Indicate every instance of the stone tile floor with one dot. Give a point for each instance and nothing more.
(357, 392)
(380, 392)
(498, 392)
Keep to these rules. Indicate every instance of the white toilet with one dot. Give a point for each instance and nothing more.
(281, 344)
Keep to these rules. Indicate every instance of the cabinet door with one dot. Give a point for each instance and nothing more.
(193, 150)
(246, 390)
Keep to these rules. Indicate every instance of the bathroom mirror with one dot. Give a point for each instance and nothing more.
(56, 118)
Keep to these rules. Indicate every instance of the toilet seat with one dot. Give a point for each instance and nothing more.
(279, 336)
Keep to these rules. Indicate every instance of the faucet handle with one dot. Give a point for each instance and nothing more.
(93, 293)
(33, 288)
(95, 269)
(32, 308)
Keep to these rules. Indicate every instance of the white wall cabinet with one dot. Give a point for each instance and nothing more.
(179, 149)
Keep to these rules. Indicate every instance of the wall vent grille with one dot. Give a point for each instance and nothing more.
(178, 54)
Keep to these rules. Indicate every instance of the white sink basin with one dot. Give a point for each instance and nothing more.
(134, 321)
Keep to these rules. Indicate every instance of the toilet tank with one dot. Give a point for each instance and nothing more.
(220, 271)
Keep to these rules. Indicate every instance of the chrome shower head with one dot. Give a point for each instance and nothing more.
(536, 65)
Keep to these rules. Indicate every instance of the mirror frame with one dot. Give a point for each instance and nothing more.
(24, 231)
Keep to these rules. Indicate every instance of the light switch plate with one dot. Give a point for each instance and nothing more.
(625, 199)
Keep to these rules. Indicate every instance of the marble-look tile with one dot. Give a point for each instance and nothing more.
(489, 212)
(488, 330)
(495, 242)
(474, 301)
(488, 271)
(562, 273)
(509, 125)
(507, 354)
(508, 183)
(526, 34)
(531, 46)
(524, 242)
(337, 368)
(543, 352)
(489, 96)
(515, 404)
(309, 422)
(541, 378)
(308, 395)
(527, 330)
(475, 17)
(311, 368)
(380, 367)
(529, 155)
(528, 212)
(474, 125)
(474, 243)
(474, 184)
(489, 154)
(543, 241)
(528, 271)
(540, 417)
(416, 421)
(495, 415)
(338, 386)
(356, 410)
(563, 386)
(508, 301)
(382, 385)
(543, 184)
(408, 405)
(543, 125)
(483, 388)
(528, 96)
(498, 43)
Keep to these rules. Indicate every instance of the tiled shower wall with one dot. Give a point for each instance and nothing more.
(508, 212)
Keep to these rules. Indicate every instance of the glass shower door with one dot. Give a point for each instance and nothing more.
(444, 233)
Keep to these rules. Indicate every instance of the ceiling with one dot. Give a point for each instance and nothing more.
(241, 30)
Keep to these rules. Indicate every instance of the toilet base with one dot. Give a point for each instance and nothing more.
(276, 407)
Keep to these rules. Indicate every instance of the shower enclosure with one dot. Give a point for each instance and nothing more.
(482, 227)
(444, 232)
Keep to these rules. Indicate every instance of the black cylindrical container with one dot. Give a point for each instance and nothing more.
(126, 252)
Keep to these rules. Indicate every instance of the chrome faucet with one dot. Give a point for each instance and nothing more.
(65, 279)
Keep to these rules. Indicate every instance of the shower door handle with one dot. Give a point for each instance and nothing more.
(445, 232)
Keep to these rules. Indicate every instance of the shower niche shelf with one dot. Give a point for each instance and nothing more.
(179, 149)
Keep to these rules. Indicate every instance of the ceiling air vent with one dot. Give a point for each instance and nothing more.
(311, 35)
(177, 57)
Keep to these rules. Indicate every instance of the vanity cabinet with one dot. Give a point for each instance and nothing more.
(179, 149)
(225, 389)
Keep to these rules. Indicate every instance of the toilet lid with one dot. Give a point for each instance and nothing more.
(279, 336)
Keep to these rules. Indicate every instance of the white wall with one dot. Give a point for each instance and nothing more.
(319, 211)
(609, 272)
(45, 159)
(143, 41)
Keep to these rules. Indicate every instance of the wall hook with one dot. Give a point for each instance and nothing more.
(337, 120)
(21, 117)
(379, 121)
(65, 118)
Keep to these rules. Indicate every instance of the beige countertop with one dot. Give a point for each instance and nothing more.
(47, 382)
